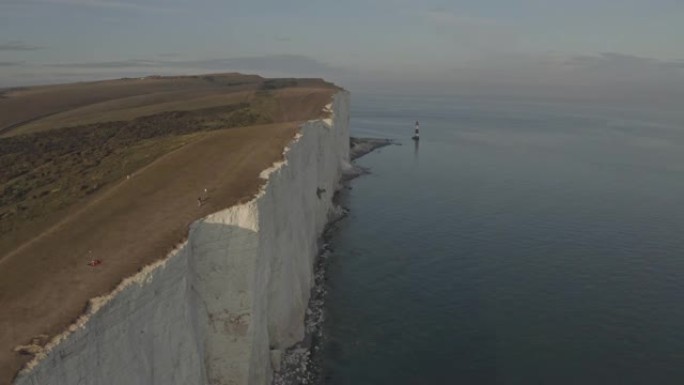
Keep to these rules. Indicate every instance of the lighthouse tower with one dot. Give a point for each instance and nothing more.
(416, 136)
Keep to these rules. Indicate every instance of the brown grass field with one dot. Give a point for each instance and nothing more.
(112, 171)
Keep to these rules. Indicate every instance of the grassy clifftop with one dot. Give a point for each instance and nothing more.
(60, 144)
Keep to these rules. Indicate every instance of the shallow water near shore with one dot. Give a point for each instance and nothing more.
(516, 243)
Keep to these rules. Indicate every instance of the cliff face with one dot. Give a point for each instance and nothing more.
(219, 308)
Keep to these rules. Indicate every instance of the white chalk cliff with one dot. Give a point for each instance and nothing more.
(220, 308)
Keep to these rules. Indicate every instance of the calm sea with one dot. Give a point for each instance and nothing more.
(517, 243)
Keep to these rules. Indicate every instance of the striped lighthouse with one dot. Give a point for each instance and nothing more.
(416, 136)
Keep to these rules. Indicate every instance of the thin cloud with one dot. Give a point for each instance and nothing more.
(110, 64)
(616, 67)
(609, 77)
(295, 64)
(11, 63)
(286, 63)
(18, 45)
(615, 60)
(108, 4)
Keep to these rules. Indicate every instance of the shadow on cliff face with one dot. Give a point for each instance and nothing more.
(229, 315)
(251, 296)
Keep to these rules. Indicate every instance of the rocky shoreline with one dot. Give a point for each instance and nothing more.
(300, 364)
(359, 147)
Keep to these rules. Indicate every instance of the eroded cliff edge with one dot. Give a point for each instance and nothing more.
(216, 308)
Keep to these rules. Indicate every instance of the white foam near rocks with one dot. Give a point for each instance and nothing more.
(222, 307)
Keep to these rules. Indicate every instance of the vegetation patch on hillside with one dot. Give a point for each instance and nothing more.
(44, 172)
(274, 84)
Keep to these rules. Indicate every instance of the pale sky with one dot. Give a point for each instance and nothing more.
(504, 44)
